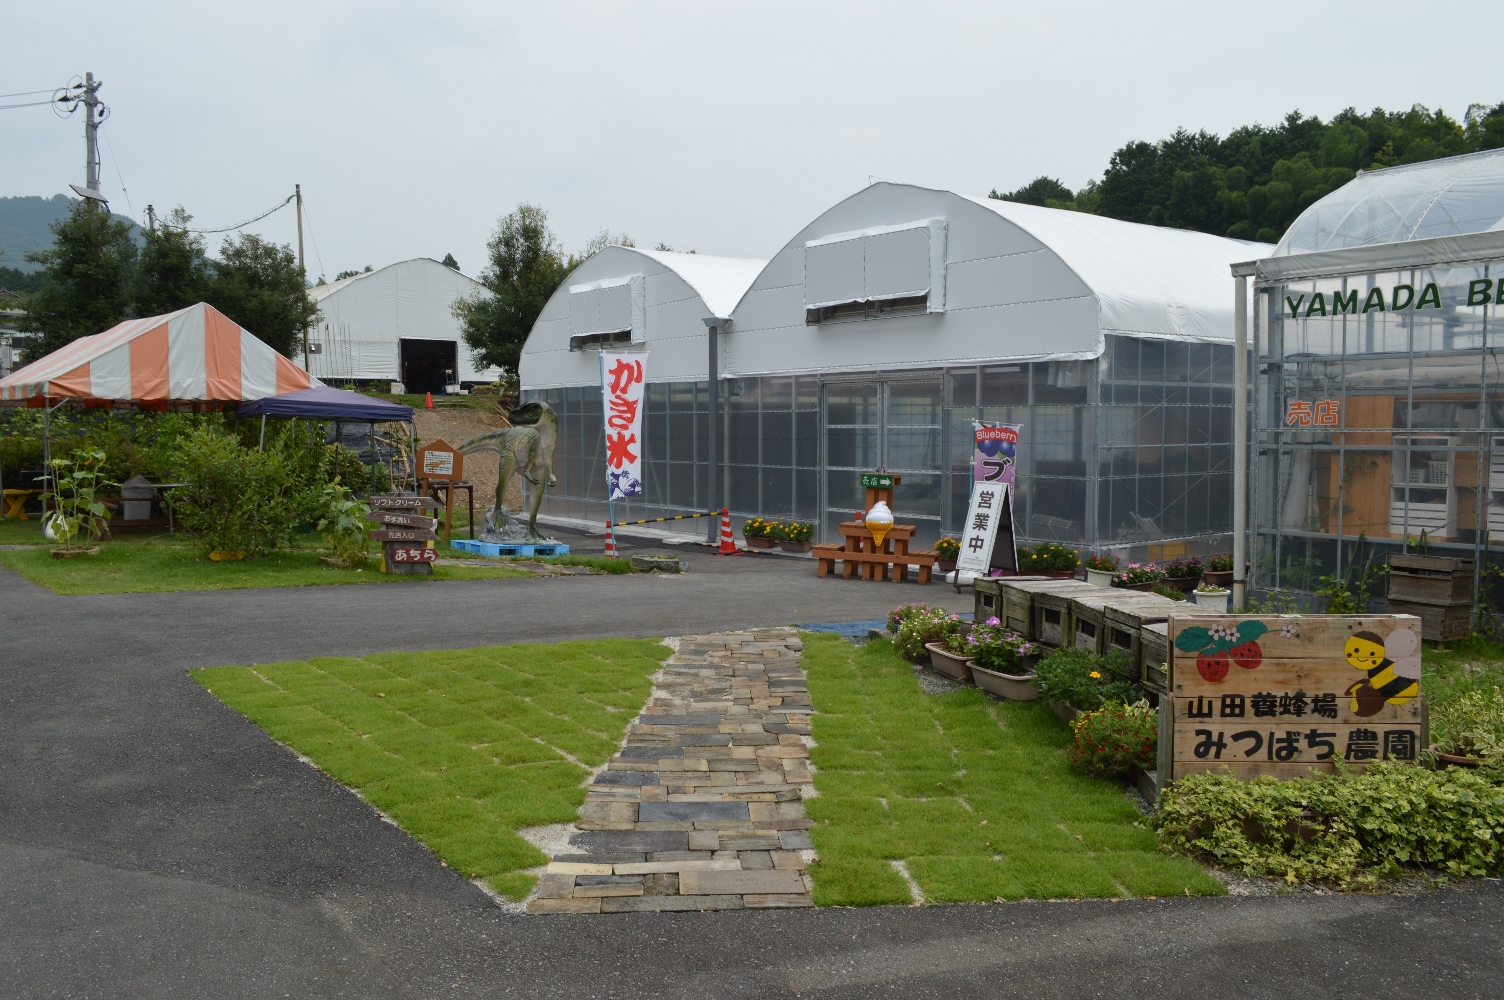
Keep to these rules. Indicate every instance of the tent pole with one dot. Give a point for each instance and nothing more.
(46, 448)
(262, 445)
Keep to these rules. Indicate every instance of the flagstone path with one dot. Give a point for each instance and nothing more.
(702, 808)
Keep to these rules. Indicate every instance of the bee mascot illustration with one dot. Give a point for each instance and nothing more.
(1391, 667)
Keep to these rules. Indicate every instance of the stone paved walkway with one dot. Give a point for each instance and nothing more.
(702, 809)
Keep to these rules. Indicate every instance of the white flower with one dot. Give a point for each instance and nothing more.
(1288, 632)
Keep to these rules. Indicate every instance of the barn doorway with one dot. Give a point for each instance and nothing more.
(428, 365)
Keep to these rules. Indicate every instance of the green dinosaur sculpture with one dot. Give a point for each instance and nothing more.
(526, 447)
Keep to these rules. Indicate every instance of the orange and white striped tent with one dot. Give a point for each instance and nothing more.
(194, 355)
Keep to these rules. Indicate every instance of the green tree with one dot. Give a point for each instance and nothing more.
(259, 285)
(87, 279)
(173, 271)
(1040, 191)
(449, 261)
(525, 266)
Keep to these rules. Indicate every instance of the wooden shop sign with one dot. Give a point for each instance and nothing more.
(404, 535)
(439, 460)
(403, 503)
(403, 520)
(1286, 694)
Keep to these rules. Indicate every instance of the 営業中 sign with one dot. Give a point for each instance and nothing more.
(1282, 695)
(623, 385)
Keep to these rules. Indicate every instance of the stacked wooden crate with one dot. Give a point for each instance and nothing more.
(1436, 589)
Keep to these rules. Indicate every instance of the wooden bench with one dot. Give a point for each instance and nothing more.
(862, 557)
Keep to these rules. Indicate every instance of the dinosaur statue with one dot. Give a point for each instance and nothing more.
(527, 447)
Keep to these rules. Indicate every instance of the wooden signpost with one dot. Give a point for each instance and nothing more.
(406, 533)
(1286, 694)
(440, 461)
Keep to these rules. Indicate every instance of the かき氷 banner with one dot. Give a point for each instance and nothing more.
(623, 384)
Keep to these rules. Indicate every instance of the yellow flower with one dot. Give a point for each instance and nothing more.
(1096, 675)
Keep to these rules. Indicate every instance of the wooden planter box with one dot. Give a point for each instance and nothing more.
(1015, 600)
(948, 663)
(1154, 657)
(1010, 687)
(1052, 611)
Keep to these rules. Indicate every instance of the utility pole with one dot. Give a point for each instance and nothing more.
(92, 121)
(151, 220)
(302, 266)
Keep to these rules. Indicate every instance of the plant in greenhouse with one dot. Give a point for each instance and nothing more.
(1220, 563)
(947, 548)
(1102, 563)
(1136, 573)
(1047, 557)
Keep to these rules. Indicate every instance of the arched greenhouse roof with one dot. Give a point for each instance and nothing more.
(1454, 196)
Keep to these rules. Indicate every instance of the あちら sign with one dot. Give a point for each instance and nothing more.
(1283, 695)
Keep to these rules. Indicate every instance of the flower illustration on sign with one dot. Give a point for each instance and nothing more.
(1217, 648)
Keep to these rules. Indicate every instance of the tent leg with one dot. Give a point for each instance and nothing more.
(262, 445)
(46, 452)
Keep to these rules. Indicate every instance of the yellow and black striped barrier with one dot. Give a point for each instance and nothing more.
(655, 520)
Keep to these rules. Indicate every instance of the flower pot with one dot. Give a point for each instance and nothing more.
(1099, 577)
(1142, 588)
(1212, 602)
(1057, 574)
(945, 565)
(758, 542)
(948, 663)
(1065, 713)
(1452, 759)
(1011, 687)
(1218, 578)
(788, 546)
(1183, 583)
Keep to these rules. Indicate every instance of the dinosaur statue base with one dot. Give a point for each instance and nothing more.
(504, 526)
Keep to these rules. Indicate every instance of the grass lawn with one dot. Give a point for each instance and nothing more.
(974, 795)
(462, 748)
(152, 563)
(1474, 663)
(17, 532)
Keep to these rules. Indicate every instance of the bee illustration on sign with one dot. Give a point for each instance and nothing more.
(1219, 647)
(1391, 668)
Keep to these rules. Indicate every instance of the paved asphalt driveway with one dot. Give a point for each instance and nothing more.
(153, 843)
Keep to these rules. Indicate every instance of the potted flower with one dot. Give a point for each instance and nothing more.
(1219, 570)
(1470, 730)
(1116, 740)
(1182, 572)
(1212, 598)
(760, 533)
(1048, 559)
(795, 536)
(1138, 576)
(1002, 662)
(1099, 570)
(923, 632)
(951, 655)
(947, 550)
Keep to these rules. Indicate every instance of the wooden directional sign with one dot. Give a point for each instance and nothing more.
(403, 520)
(404, 535)
(1286, 694)
(411, 554)
(403, 503)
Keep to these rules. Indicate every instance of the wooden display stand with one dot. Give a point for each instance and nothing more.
(860, 552)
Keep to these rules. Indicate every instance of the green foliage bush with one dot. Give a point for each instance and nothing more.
(1471, 725)
(1047, 557)
(932, 625)
(241, 499)
(1084, 680)
(900, 614)
(1116, 740)
(1345, 829)
(343, 523)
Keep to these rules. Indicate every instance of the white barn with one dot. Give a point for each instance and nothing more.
(395, 324)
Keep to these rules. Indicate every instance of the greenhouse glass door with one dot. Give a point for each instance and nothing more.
(884, 426)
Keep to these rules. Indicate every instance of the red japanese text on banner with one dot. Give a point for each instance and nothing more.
(623, 386)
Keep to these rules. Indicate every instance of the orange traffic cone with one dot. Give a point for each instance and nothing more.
(728, 541)
(611, 542)
(428, 400)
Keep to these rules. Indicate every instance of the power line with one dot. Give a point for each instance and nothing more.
(309, 222)
(28, 104)
(28, 93)
(227, 229)
(121, 177)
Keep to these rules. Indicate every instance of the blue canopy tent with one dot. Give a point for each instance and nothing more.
(322, 402)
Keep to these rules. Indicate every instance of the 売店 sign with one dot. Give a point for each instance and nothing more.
(1282, 695)
(876, 481)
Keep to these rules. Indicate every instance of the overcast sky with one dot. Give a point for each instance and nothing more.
(722, 127)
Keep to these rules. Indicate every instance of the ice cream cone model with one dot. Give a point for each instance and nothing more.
(879, 521)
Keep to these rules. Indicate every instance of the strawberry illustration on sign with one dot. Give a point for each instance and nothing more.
(1220, 646)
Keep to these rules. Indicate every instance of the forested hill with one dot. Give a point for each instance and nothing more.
(1252, 184)
(25, 227)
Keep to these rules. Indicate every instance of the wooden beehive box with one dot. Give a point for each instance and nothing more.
(1154, 657)
(1430, 579)
(989, 596)
(1052, 611)
(1016, 594)
(1087, 627)
(1438, 622)
(1126, 618)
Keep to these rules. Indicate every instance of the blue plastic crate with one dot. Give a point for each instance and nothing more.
(497, 550)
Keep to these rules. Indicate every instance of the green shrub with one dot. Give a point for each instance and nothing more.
(900, 614)
(344, 524)
(1047, 556)
(933, 625)
(1344, 829)
(1116, 740)
(1084, 680)
(1471, 725)
(238, 499)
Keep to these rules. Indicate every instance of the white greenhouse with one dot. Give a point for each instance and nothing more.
(876, 336)
(395, 324)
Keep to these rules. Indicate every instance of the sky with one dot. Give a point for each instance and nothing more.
(720, 127)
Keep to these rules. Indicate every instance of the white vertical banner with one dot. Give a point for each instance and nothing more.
(980, 530)
(623, 385)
